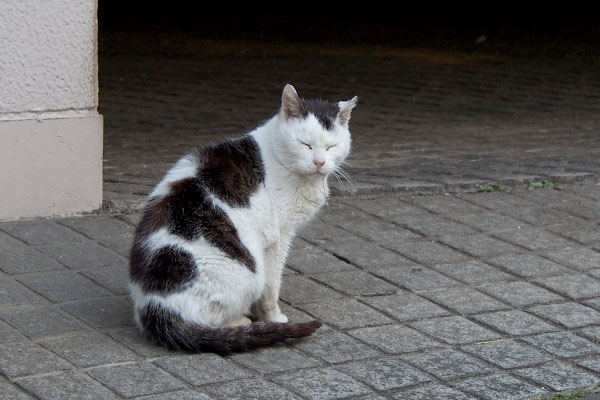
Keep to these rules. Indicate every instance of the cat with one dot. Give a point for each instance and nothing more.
(216, 230)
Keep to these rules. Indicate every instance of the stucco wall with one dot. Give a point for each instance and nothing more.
(50, 130)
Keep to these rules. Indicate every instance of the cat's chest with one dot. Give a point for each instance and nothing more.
(294, 206)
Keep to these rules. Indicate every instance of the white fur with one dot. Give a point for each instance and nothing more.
(293, 191)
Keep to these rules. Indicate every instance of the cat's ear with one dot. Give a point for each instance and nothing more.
(292, 105)
(346, 110)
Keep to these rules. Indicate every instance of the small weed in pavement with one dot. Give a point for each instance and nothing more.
(541, 185)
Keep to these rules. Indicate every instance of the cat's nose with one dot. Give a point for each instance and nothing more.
(318, 163)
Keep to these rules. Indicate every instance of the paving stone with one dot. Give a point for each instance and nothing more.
(488, 221)
(377, 230)
(508, 353)
(87, 349)
(115, 279)
(338, 211)
(576, 286)
(178, 395)
(99, 227)
(356, 283)
(580, 258)
(592, 332)
(389, 207)
(498, 200)
(442, 204)
(247, 389)
(520, 293)
(103, 312)
(473, 272)
(571, 315)
(371, 258)
(131, 380)
(61, 286)
(527, 265)
(384, 373)
(40, 321)
(415, 277)
(543, 216)
(298, 289)
(10, 392)
(133, 339)
(435, 225)
(500, 386)
(345, 313)
(275, 359)
(77, 255)
(534, 238)
(427, 252)
(406, 306)
(564, 344)
(559, 376)
(310, 259)
(327, 235)
(40, 231)
(591, 363)
(22, 259)
(514, 322)
(14, 293)
(479, 245)
(436, 391)
(335, 347)
(582, 207)
(448, 364)
(68, 385)
(394, 338)
(8, 333)
(25, 358)
(465, 300)
(200, 369)
(455, 330)
(321, 384)
(587, 233)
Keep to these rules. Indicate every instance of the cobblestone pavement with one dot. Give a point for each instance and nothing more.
(468, 296)
(428, 290)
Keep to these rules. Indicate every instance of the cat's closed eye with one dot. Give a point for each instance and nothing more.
(333, 145)
(306, 144)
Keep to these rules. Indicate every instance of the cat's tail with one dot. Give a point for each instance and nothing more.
(170, 331)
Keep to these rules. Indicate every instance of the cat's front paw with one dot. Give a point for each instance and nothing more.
(277, 317)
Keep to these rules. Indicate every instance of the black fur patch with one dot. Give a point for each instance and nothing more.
(232, 170)
(166, 270)
(324, 111)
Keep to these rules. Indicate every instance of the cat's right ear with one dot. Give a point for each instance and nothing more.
(292, 105)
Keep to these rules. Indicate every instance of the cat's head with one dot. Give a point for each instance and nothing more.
(315, 138)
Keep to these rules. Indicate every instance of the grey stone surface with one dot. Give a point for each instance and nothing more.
(377, 230)
(576, 286)
(40, 231)
(508, 353)
(488, 221)
(394, 338)
(534, 238)
(406, 306)
(448, 364)
(473, 272)
(514, 322)
(520, 293)
(559, 376)
(87, 349)
(177, 395)
(14, 293)
(356, 283)
(479, 245)
(26, 358)
(41, 321)
(500, 387)
(131, 380)
(455, 330)
(18, 258)
(564, 344)
(571, 315)
(591, 363)
(586, 233)
(200, 369)
(84, 254)
(435, 391)
(443, 204)
(527, 265)
(465, 300)
(384, 373)
(335, 347)
(310, 259)
(115, 279)
(434, 225)
(297, 289)
(415, 277)
(66, 385)
(10, 392)
(103, 312)
(322, 383)
(427, 252)
(345, 313)
(62, 286)
(275, 359)
(255, 388)
(371, 257)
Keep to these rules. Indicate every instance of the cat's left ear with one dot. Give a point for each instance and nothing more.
(346, 110)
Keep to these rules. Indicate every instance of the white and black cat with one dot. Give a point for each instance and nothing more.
(216, 230)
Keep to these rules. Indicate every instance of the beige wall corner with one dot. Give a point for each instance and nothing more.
(50, 167)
